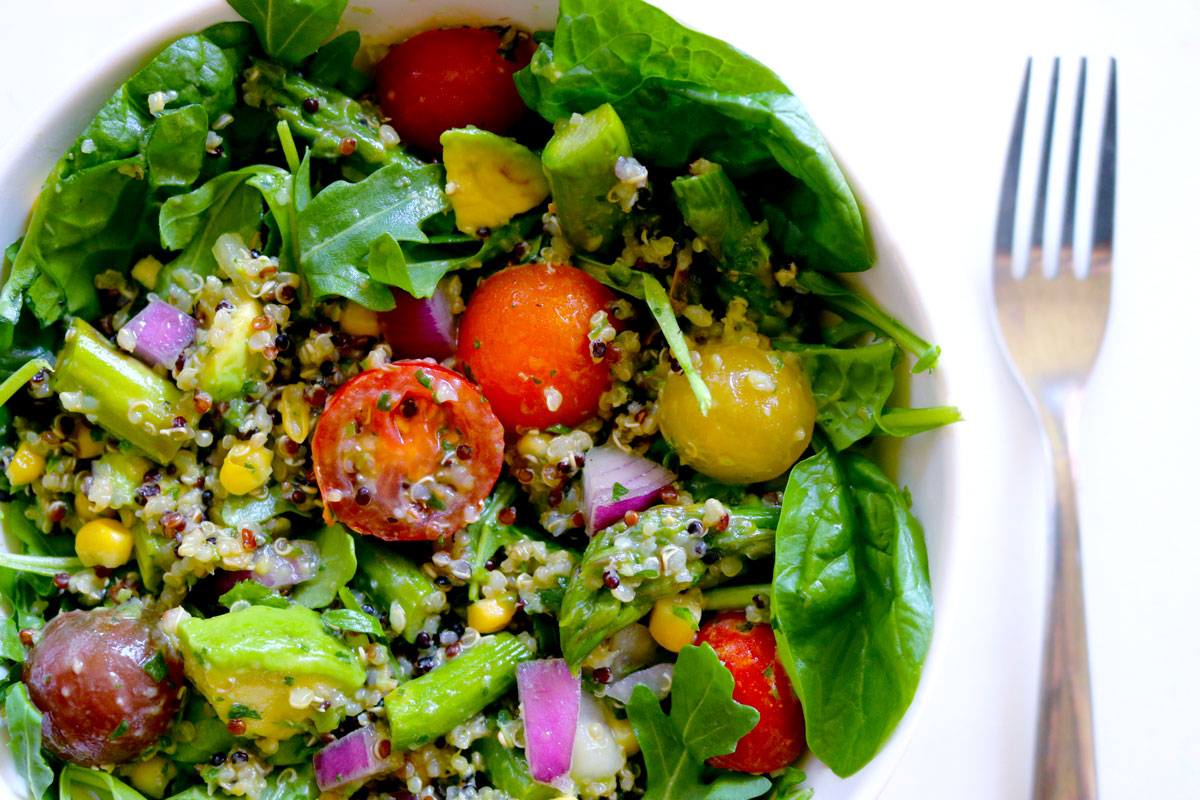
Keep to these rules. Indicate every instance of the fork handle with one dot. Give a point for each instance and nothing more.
(1065, 762)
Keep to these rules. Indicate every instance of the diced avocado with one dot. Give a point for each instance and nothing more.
(387, 576)
(580, 161)
(115, 476)
(226, 365)
(155, 555)
(252, 664)
(490, 178)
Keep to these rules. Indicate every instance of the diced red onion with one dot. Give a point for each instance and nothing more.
(277, 571)
(549, 708)
(420, 327)
(355, 757)
(158, 333)
(657, 679)
(615, 482)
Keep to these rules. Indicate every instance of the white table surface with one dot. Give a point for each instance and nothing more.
(918, 97)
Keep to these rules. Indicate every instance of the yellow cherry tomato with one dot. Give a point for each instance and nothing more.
(761, 418)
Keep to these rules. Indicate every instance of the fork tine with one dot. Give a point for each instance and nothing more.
(1036, 249)
(1005, 221)
(1100, 255)
(1066, 258)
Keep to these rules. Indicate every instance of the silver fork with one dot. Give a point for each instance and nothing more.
(1053, 328)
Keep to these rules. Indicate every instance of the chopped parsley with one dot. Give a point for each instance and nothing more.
(424, 379)
(239, 711)
(119, 731)
(385, 401)
(156, 667)
(619, 491)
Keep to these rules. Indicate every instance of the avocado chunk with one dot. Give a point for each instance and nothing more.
(580, 161)
(227, 363)
(257, 664)
(490, 178)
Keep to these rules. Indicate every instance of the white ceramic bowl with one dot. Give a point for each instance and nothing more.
(927, 464)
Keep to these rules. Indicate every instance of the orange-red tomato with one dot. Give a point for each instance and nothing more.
(748, 650)
(524, 340)
(407, 451)
(451, 78)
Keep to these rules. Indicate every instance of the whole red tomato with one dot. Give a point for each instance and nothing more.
(748, 650)
(451, 78)
(524, 340)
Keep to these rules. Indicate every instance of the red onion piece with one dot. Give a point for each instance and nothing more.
(615, 482)
(550, 710)
(355, 757)
(420, 327)
(277, 571)
(657, 679)
(158, 332)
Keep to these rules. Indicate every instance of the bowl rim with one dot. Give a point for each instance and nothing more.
(41, 140)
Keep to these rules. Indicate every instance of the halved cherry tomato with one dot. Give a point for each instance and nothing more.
(451, 78)
(407, 451)
(524, 340)
(748, 650)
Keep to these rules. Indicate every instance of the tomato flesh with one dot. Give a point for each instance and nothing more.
(748, 650)
(524, 340)
(407, 451)
(451, 78)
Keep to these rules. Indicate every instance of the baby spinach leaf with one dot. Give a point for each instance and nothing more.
(337, 567)
(25, 732)
(175, 149)
(660, 308)
(78, 782)
(339, 225)
(851, 604)
(291, 29)
(333, 64)
(114, 133)
(347, 619)
(704, 721)
(722, 104)
(189, 70)
(847, 302)
(194, 221)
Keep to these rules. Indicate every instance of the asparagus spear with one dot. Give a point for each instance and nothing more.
(423, 709)
(580, 162)
(625, 569)
(120, 393)
(388, 576)
(335, 120)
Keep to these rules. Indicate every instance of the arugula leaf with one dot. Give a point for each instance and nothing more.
(847, 302)
(347, 619)
(660, 308)
(386, 263)
(705, 721)
(722, 104)
(253, 593)
(80, 782)
(790, 786)
(337, 566)
(175, 149)
(850, 605)
(291, 30)
(333, 64)
(339, 225)
(25, 732)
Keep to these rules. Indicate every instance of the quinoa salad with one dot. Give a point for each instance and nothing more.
(484, 414)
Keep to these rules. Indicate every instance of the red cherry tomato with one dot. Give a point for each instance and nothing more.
(407, 451)
(444, 79)
(748, 650)
(524, 340)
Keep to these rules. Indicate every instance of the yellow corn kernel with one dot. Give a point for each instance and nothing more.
(624, 734)
(27, 465)
(145, 271)
(152, 776)
(490, 615)
(87, 510)
(533, 445)
(674, 620)
(103, 543)
(89, 441)
(246, 468)
(295, 412)
(359, 321)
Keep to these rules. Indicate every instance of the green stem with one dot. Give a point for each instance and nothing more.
(735, 597)
(40, 565)
(911, 421)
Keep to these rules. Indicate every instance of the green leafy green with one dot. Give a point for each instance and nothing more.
(175, 150)
(790, 786)
(80, 783)
(21, 377)
(851, 604)
(849, 385)
(333, 64)
(339, 226)
(189, 70)
(660, 308)
(40, 565)
(911, 421)
(347, 619)
(235, 511)
(721, 103)
(253, 593)
(337, 567)
(25, 732)
(704, 721)
(291, 30)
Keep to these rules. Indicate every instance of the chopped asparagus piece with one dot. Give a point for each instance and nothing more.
(121, 394)
(389, 577)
